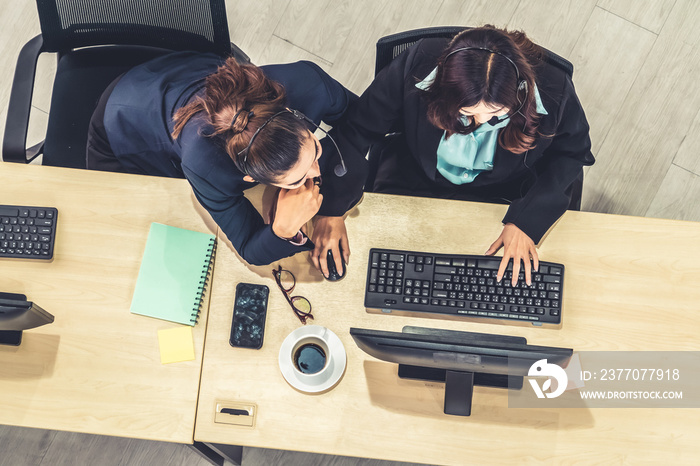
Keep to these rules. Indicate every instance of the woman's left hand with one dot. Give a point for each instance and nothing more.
(519, 247)
(329, 234)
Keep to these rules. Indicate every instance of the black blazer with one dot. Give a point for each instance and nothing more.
(138, 122)
(393, 102)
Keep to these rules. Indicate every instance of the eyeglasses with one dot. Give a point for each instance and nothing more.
(298, 115)
(286, 282)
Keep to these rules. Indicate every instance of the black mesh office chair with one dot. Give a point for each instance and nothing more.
(390, 47)
(96, 41)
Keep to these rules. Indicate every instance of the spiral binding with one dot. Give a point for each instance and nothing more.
(203, 281)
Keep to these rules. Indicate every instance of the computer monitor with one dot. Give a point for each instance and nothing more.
(460, 359)
(18, 314)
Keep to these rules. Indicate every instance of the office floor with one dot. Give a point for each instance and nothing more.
(636, 67)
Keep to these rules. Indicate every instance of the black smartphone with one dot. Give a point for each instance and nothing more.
(249, 311)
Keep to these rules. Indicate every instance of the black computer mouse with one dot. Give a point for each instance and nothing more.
(333, 274)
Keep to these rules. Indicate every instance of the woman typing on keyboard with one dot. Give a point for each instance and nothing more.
(479, 117)
(226, 127)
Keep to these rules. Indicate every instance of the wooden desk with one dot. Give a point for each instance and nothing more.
(631, 284)
(97, 368)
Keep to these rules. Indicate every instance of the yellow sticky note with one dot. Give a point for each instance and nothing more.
(176, 344)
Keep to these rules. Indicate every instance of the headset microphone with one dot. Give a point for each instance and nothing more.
(494, 121)
(340, 169)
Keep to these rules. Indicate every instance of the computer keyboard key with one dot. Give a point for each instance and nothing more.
(488, 264)
(9, 211)
(445, 269)
(464, 285)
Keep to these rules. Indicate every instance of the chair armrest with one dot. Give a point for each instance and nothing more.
(15, 139)
(239, 55)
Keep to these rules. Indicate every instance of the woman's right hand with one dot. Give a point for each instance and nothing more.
(295, 207)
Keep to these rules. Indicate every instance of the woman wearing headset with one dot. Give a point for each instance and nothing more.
(480, 117)
(226, 127)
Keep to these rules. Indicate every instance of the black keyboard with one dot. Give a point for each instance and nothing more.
(461, 285)
(27, 232)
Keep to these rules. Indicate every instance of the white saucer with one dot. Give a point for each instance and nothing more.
(306, 383)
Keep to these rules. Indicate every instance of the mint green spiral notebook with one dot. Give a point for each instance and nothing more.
(174, 274)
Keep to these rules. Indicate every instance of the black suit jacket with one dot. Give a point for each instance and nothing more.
(392, 102)
(138, 122)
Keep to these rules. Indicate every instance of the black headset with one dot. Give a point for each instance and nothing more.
(339, 170)
(522, 84)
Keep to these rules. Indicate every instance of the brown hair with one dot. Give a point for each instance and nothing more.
(468, 77)
(238, 99)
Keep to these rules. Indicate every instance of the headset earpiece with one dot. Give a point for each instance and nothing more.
(522, 85)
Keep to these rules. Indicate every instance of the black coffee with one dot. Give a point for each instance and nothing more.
(310, 358)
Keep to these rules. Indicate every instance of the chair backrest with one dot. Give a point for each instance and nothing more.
(390, 47)
(199, 25)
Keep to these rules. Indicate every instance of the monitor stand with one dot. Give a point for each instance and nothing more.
(10, 337)
(459, 385)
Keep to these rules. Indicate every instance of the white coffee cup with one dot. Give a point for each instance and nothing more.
(311, 357)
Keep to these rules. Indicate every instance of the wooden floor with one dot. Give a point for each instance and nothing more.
(636, 62)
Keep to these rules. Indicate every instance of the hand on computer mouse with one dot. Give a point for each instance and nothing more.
(335, 273)
(329, 235)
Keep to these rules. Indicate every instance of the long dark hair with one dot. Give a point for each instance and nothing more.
(468, 77)
(238, 99)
